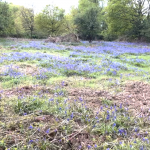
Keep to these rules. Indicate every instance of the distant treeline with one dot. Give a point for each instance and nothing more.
(91, 20)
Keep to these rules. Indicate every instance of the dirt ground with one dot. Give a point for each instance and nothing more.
(135, 96)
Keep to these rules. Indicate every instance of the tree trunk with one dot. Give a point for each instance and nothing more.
(31, 34)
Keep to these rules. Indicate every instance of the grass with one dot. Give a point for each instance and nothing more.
(53, 98)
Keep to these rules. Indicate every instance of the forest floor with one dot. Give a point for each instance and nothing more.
(73, 96)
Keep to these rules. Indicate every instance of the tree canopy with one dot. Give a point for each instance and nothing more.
(127, 17)
(5, 18)
(91, 20)
(50, 20)
(27, 16)
(88, 19)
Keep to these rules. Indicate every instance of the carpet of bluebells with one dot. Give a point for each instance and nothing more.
(37, 111)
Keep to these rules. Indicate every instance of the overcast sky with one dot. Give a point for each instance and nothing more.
(39, 5)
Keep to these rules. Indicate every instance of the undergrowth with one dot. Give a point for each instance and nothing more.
(38, 114)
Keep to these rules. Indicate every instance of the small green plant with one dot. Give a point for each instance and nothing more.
(69, 73)
(106, 102)
(27, 106)
(2, 145)
(46, 64)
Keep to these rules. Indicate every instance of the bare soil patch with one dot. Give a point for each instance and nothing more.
(25, 90)
(2, 69)
(135, 96)
(45, 118)
(23, 68)
(90, 96)
(28, 69)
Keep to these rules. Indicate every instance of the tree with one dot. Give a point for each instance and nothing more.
(68, 22)
(15, 28)
(27, 16)
(88, 19)
(5, 18)
(126, 17)
(142, 12)
(50, 21)
(145, 32)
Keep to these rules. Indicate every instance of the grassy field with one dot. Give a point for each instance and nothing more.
(74, 96)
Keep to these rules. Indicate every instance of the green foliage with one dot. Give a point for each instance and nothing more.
(11, 23)
(17, 28)
(27, 16)
(127, 18)
(2, 144)
(5, 18)
(27, 106)
(118, 16)
(145, 32)
(50, 21)
(92, 20)
(69, 73)
(68, 23)
(88, 19)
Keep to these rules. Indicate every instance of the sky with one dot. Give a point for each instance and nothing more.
(39, 5)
